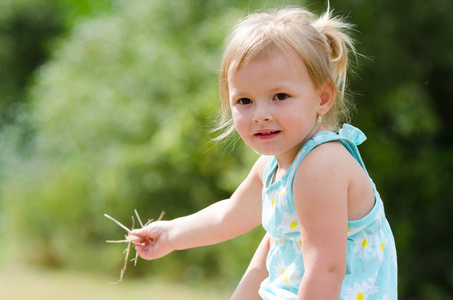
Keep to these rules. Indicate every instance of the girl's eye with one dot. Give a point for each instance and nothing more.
(281, 96)
(244, 101)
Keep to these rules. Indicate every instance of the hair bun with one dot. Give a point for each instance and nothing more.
(335, 32)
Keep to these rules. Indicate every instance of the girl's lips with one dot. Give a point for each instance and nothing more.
(266, 134)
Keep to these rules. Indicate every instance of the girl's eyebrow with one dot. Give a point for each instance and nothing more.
(281, 88)
(238, 94)
(238, 90)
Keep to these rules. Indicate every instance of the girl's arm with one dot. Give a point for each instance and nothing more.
(216, 223)
(320, 196)
(255, 273)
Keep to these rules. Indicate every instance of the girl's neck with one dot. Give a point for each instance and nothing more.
(284, 161)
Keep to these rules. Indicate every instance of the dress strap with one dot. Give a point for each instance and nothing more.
(351, 137)
(348, 135)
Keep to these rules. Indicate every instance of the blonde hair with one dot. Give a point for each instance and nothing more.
(322, 43)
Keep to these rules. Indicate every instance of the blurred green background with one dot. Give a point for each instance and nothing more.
(106, 106)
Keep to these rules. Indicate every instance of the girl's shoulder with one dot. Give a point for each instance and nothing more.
(327, 160)
(328, 153)
(330, 171)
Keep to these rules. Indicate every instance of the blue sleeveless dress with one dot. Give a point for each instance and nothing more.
(371, 265)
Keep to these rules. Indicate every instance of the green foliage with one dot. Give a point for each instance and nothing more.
(27, 30)
(24, 25)
(120, 117)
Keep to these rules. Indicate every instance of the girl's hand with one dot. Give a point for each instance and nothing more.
(152, 242)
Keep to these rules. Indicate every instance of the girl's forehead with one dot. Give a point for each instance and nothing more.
(275, 58)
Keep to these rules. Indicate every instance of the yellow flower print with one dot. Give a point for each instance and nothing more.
(380, 246)
(292, 275)
(379, 251)
(287, 274)
(364, 247)
(280, 268)
(297, 244)
(352, 231)
(279, 197)
(290, 222)
(361, 291)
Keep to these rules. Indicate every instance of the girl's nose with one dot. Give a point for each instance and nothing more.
(262, 113)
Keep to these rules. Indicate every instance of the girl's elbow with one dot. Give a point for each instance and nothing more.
(331, 276)
(334, 271)
(321, 284)
(337, 272)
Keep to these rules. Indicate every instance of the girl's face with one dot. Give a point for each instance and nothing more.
(274, 105)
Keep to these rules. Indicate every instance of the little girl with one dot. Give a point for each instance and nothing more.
(282, 83)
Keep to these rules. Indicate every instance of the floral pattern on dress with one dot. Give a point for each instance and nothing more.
(371, 264)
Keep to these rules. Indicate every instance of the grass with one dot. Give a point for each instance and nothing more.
(20, 283)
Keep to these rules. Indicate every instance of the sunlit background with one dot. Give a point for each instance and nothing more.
(106, 106)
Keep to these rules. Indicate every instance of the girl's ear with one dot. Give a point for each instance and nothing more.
(326, 97)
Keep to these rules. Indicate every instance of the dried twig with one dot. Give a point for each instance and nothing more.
(138, 218)
(117, 222)
(128, 239)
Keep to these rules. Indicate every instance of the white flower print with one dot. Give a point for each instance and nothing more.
(380, 247)
(297, 245)
(361, 291)
(292, 275)
(364, 246)
(371, 245)
(380, 251)
(288, 274)
(270, 198)
(267, 214)
(273, 201)
(372, 281)
(289, 223)
(280, 198)
(380, 216)
(279, 268)
(392, 251)
(354, 230)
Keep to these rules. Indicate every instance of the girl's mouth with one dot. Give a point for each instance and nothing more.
(266, 134)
